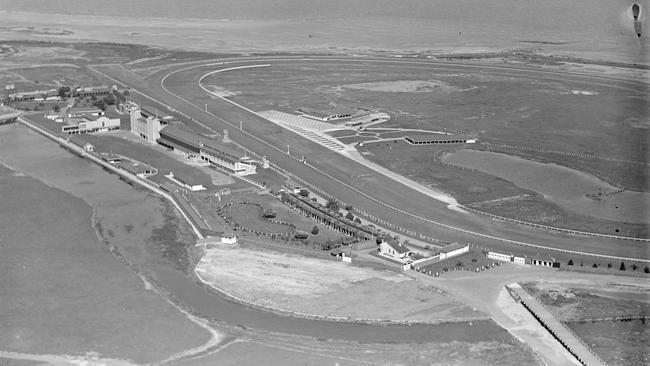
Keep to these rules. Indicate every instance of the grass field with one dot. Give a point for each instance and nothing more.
(249, 215)
(573, 190)
(499, 108)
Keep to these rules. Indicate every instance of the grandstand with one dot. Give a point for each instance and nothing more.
(308, 128)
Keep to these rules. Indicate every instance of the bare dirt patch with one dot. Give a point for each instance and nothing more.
(324, 288)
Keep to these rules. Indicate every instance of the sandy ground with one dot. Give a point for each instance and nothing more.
(325, 288)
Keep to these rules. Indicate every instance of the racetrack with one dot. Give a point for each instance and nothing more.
(375, 193)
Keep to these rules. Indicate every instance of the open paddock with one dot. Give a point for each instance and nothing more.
(473, 261)
(249, 216)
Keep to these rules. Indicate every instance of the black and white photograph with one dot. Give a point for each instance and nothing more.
(324, 182)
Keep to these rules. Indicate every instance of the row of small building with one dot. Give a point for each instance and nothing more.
(53, 94)
(397, 251)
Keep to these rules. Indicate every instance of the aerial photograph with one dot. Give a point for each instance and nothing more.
(324, 182)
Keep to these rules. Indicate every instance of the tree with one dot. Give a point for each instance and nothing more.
(332, 205)
(646, 269)
(609, 265)
(582, 264)
(622, 267)
(595, 265)
(348, 207)
(64, 91)
(303, 192)
(109, 99)
(349, 216)
(56, 108)
(314, 230)
(357, 220)
(634, 267)
(100, 104)
(570, 262)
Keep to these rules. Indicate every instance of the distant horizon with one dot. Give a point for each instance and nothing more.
(591, 29)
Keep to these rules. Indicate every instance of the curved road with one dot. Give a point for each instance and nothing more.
(376, 193)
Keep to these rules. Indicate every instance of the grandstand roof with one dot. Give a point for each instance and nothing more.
(221, 154)
(435, 137)
(181, 134)
(323, 113)
(149, 111)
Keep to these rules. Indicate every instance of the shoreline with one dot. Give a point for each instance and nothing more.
(251, 35)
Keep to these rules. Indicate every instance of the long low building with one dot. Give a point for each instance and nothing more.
(427, 139)
(8, 115)
(326, 116)
(177, 138)
(89, 124)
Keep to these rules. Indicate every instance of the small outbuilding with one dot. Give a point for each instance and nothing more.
(395, 250)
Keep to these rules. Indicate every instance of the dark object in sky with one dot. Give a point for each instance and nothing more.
(636, 14)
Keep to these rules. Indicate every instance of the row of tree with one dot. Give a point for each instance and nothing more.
(622, 267)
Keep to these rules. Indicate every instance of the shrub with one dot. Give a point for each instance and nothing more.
(595, 266)
(570, 262)
(357, 220)
(314, 230)
(646, 269)
(109, 99)
(634, 267)
(609, 265)
(349, 216)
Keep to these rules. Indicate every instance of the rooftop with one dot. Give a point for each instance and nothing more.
(149, 111)
(435, 137)
(181, 134)
(399, 247)
(221, 154)
(326, 112)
